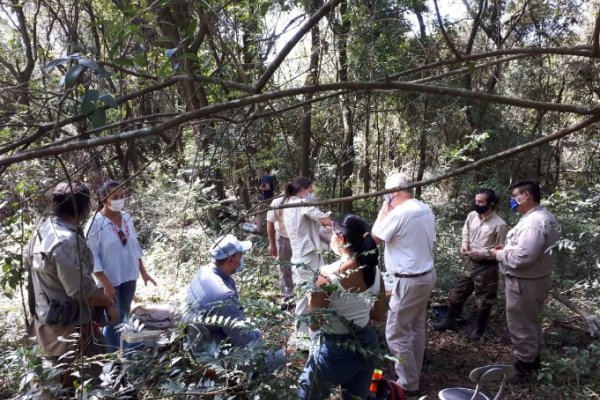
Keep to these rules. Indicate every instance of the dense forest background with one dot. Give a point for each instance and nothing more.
(184, 99)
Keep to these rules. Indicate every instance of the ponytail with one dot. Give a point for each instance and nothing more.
(296, 185)
(356, 232)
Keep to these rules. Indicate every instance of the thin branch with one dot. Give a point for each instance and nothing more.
(583, 51)
(304, 28)
(468, 69)
(126, 71)
(444, 33)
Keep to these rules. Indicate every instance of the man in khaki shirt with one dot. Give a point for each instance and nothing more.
(482, 232)
(527, 262)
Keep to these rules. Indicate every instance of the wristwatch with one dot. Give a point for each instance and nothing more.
(488, 253)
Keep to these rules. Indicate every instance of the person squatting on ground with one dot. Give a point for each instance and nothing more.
(213, 292)
(117, 254)
(62, 292)
(266, 189)
(527, 262)
(407, 226)
(302, 227)
(483, 231)
(280, 248)
(351, 292)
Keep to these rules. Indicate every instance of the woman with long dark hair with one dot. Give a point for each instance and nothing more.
(351, 293)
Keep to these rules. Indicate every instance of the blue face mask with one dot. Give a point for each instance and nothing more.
(309, 197)
(514, 204)
(242, 264)
(388, 197)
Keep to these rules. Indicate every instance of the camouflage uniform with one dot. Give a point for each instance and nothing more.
(480, 276)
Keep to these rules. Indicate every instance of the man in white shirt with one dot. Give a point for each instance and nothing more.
(407, 226)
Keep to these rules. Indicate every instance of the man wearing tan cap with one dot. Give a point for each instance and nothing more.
(407, 226)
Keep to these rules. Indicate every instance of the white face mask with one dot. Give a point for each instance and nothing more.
(116, 205)
(334, 246)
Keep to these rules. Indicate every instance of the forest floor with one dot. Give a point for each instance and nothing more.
(450, 355)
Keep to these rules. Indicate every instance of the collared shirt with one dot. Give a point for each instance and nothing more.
(526, 254)
(302, 227)
(483, 233)
(213, 292)
(409, 235)
(276, 216)
(60, 265)
(119, 262)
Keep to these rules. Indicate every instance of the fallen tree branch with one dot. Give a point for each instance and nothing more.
(593, 321)
(207, 111)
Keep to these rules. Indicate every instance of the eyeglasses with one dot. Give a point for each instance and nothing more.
(122, 236)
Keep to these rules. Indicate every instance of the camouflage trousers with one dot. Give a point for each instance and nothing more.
(480, 278)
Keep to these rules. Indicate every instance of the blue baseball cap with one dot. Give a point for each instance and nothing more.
(228, 245)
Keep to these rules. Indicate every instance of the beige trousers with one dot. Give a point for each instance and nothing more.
(524, 305)
(405, 331)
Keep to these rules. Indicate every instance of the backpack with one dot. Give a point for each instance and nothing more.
(389, 390)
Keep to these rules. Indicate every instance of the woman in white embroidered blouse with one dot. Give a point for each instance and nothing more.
(351, 294)
(117, 254)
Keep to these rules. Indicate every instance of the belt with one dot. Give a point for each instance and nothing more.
(412, 275)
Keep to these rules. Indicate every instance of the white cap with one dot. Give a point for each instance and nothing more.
(228, 245)
(396, 180)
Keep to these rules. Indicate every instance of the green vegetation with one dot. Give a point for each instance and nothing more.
(184, 99)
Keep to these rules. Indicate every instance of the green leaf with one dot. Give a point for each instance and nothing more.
(109, 100)
(191, 28)
(72, 75)
(88, 103)
(98, 118)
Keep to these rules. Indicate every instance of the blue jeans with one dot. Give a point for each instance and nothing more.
(124, 294)
(332, 363)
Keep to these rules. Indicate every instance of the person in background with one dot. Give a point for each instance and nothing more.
(407, 226)
(62, 292)
(482, 232)
(350, 294)
(213, 292)
(302, 227)
(527, 262)
(266, 189)
(117, 254)
(280, 248)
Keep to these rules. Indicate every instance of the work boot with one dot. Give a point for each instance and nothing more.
(524, 371)
(482, 319)
(453, 313)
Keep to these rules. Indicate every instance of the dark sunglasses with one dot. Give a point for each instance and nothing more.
(122, 237)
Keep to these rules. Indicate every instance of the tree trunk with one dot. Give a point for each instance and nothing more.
(311, 79)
